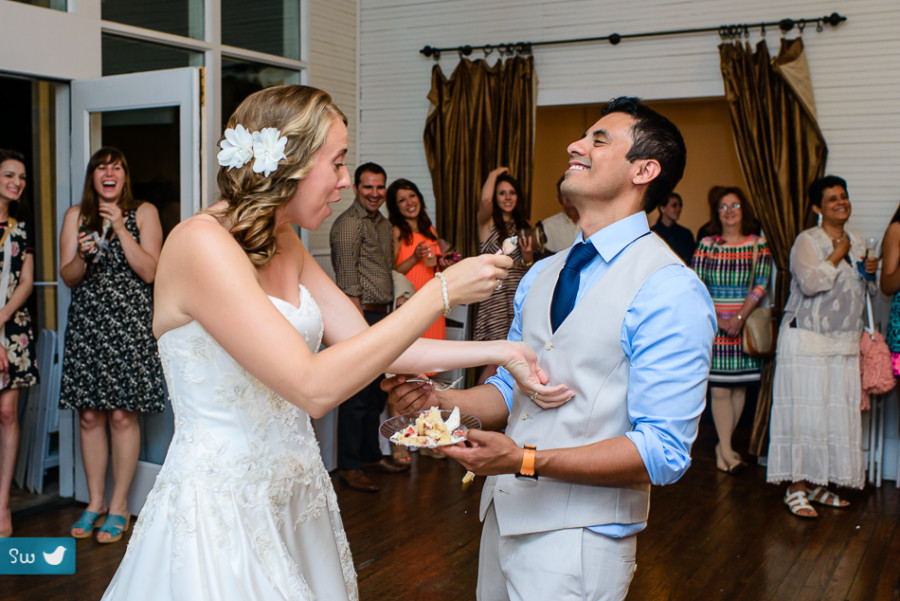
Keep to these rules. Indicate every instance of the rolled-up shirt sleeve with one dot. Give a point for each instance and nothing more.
(667, 336)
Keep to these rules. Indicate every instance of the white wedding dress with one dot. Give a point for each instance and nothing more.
(243, 508)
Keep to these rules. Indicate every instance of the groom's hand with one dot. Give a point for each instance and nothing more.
(487, 453)
(406, 397)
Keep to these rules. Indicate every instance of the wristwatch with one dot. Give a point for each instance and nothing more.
(527, 469)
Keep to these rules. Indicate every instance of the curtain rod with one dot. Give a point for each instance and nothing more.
(725, 31)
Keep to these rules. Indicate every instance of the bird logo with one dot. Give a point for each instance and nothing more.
(55, 558)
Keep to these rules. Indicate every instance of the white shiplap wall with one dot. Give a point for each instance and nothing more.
(333, 68)
(854, 67)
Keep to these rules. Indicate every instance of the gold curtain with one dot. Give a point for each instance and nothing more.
(781, 151)
(481, 118)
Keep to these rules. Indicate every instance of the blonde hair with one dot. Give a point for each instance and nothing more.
(303, 115)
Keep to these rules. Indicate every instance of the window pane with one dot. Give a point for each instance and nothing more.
(54, 4)
(270, 26)
(121, 55)
(178, 17)
(240, 79)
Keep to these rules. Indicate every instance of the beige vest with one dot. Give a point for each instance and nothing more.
(585, 353)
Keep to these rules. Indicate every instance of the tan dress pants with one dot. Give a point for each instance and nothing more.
(575, 564)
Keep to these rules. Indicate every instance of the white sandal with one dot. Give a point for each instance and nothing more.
(823, 496)
(797, 501)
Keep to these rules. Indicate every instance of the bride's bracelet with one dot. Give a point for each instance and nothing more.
(444, 295)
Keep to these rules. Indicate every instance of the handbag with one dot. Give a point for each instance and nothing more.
(758, 338)
(875, 366)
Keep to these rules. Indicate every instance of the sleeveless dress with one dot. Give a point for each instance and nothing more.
(494, 315)
(110, 360)
(421, 274)
(243, 507)
(20, 349)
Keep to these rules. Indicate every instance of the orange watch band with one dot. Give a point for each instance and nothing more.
(527, 469)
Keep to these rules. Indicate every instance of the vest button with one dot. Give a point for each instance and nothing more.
(548, 346)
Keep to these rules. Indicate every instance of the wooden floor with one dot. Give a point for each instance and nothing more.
(711, 537)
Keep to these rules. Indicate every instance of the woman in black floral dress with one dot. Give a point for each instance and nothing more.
(108, 248)
(18, 368)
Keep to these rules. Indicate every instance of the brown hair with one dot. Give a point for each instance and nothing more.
(748, 219)
(91, 221)
(303, 115)
(423, 221)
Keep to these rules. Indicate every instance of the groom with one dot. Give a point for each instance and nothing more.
(628, 328)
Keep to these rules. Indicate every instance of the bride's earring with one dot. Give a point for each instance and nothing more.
(819, 220)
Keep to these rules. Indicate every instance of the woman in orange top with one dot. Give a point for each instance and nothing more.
(418, 252)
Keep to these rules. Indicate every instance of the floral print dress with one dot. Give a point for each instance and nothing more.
(110, 360)
(18, 337)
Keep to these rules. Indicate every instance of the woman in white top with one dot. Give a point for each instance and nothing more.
(243, 507)
(815, 435)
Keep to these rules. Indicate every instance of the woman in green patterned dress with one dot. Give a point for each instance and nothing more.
(724, 261)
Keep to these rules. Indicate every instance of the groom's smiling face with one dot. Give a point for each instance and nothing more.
(598, 168)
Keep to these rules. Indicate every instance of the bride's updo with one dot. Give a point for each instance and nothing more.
(302, 115)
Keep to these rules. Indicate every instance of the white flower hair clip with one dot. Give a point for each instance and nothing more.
(266, 147)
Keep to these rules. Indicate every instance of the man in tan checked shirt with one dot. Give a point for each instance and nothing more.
(362, 255)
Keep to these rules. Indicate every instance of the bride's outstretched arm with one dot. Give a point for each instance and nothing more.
(204, 275)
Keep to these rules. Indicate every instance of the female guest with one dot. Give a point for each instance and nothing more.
(500, 217)
(725, 262)
(243, 507)
(108, 249)
(18, 367)
(815, 432)
(418, 252)
(890, 285)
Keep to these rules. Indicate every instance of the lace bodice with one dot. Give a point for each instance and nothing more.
(212, 395)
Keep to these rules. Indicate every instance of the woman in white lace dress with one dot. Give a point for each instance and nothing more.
(815, 436)
(243, 507)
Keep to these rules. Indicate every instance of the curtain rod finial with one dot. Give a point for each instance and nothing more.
(834, 18)
(431, 51)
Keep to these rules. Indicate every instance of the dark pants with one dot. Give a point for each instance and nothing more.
(359, 418)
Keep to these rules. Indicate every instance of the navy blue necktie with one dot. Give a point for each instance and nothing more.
(567, 285)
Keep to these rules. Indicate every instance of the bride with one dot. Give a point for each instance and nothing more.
(243, 507)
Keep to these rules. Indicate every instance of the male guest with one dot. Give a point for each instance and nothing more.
(679, 238)
(559, 230)
(362, 256)
(628, 328)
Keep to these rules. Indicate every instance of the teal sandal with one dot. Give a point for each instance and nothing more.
(115, 526)
(87, 522)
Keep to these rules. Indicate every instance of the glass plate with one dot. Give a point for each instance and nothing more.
(396, 424)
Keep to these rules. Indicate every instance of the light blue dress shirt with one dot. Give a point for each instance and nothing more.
(667, 336)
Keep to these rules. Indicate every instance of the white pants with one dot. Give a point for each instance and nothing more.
(576, 564)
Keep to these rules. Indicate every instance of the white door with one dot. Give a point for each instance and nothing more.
(154, 119)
